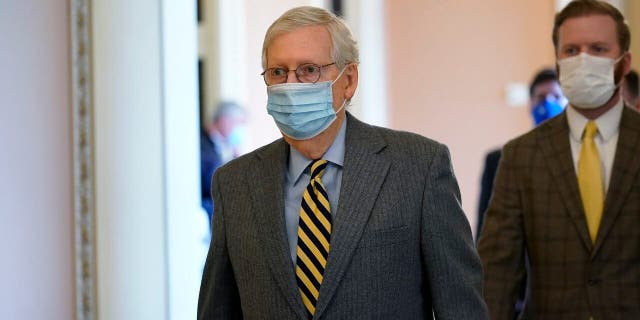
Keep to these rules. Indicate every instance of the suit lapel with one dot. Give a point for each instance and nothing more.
(363, 173)
(553, 139)
(624, 171)
(268, 207)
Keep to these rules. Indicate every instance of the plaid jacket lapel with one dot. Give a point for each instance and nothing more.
(555, 146)
(625, 169)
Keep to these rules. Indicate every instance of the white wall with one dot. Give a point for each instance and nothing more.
(130, 179)
(36, 239)
(367, 22)
(187, 223)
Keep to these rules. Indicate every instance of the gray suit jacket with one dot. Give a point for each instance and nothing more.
(401, 246)
(536, 211)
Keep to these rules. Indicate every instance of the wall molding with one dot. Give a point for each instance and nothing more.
(83, 160)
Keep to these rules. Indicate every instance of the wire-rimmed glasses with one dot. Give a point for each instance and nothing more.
(305, 73)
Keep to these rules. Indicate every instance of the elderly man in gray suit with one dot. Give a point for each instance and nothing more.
(339, 219)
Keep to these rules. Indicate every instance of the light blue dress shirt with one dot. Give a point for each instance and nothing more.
(298, 177)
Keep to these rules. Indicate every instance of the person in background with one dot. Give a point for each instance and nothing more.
(220, 141)
(338, 219)
(565, 210)
(545, 102)
(631, 90)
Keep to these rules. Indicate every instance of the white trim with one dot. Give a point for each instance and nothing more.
(187, 228)
(367, 21)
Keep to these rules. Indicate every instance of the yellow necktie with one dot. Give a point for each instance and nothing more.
(590, 180)
(314, 234)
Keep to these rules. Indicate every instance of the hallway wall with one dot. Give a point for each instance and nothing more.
(449, 63)
(36, 238)
(633, 18)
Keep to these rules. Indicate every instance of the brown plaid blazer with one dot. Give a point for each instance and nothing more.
(536, 212)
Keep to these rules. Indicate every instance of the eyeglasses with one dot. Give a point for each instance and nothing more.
(305, 73)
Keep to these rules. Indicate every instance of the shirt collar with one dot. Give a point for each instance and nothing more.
(608, 123)
(335, 154)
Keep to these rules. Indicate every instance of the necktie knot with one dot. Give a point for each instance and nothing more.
(590, 130)
(317, 168)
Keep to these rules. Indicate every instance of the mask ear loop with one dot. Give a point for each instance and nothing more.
(614, 70)
(346, 101)
(339, 75)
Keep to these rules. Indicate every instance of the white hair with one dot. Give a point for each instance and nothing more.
(344, 48)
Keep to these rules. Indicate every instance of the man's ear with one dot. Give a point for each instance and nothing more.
(351, 74)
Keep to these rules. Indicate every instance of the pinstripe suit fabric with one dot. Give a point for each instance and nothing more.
(401, 246)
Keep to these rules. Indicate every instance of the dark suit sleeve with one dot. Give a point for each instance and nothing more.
(210, 160)
(486, 187)
(501, 244)
(452, 266)
(219, 297)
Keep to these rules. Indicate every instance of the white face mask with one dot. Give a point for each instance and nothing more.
(588, 81)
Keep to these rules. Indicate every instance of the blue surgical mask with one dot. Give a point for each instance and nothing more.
(302, 110)
(546, 109)
(237, 136)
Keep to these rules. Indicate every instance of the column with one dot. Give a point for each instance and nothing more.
(130, 185)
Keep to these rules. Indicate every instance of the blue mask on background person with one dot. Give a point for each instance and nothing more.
(546, 109)
(302, 110)
(237, 136)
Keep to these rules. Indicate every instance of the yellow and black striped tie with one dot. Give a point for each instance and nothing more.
(314, 234)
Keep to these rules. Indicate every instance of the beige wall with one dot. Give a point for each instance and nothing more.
(449, 62)
(36, 239)
(633, 18)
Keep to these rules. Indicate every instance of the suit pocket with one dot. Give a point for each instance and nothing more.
(378, 238)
